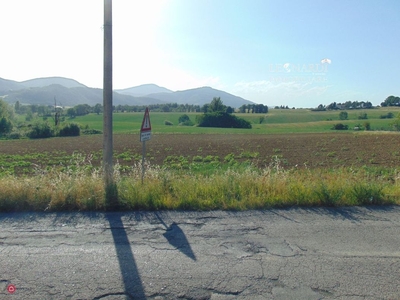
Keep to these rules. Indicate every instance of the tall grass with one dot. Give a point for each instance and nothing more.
(80, 188)
(77, 187)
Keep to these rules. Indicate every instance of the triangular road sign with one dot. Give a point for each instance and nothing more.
(146, 125)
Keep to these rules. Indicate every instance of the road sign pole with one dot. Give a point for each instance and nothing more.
(143, 158)
(145, 135)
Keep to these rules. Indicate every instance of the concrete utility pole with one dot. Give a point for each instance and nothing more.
(110, 186)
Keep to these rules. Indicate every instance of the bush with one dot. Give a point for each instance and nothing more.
(168, 123)
(91, 131)
(340, 126)
(14, 135)
(396, 124)
(222, 120)
(343, 115)
(183, 118)
(70, 129)
(187, 123)
(387, 116)
(40, 130)
(367, 125)
(362, 116)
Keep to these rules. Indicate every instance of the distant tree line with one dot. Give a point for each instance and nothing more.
(346, 105)
(84, 109)
(254, 108)
(282, 107)
(389, 101)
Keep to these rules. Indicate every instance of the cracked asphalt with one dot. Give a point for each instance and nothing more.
(315, 253)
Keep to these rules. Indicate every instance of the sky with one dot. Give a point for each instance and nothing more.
(289, 52)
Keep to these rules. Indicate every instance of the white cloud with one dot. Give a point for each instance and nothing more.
(326, 61)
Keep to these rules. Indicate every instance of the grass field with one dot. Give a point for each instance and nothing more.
(276, 121)
(291, 158)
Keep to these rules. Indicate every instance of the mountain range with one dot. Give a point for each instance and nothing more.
(69, 92)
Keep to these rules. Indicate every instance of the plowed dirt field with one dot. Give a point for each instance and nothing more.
(311, 150)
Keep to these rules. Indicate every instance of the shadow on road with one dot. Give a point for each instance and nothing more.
(177, 238)
(129, 271)
(353, 214)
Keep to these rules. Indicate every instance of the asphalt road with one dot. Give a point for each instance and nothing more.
(348, 253)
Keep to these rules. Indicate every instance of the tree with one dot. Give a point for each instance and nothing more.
(343, 115)
(218, 117)
(181, 108)
(216, 105)
(29, 116)
(71, 112)
(260, 109)
(43, 111)
(5, 126)
(243, 108)
(119, 108)
(34, 108)
(82, 109)
(391, 101)
(98, 108)
(229, 110)
(332, 106)
(368, 105)
(6, 117)
(5, 110)
(17, 107)
(205, 108)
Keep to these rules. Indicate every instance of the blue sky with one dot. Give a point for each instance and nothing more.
(268, 52)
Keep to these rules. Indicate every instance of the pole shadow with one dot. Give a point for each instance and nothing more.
(129, 271)
(177, 238)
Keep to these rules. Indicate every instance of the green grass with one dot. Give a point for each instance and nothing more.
(276, 121)
(226, 186)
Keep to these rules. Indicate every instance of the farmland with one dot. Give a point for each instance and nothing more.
(298, 138)
(312, 150)
(290, 158)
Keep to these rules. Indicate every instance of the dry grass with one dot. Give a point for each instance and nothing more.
(236, 188)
